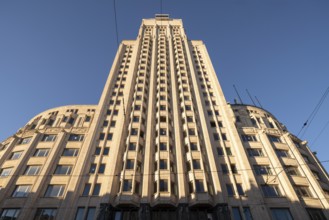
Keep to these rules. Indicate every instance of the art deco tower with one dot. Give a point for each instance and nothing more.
(162, 143)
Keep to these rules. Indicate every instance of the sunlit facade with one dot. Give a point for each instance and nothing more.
(161, 143)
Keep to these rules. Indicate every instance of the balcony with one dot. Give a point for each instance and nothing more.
(197, 198)
(300, 180)
(289, 161)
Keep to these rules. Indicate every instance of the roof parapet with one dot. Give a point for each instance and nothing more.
(162, 17)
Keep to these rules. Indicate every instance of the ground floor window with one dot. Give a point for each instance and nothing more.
(281, 214)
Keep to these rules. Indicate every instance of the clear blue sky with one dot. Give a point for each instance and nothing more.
(55, 53)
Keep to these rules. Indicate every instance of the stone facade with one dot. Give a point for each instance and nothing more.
(162, 143)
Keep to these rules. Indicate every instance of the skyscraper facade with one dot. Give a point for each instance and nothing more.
(161, 143)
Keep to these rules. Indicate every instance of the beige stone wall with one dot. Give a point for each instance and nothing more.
(162, 134)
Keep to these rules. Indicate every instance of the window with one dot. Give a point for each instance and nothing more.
(70, 152)
(224, 137)
(134, 131)
(199, 186)
(230, 190)
(255, 153)
(189, 119)
(48, 137)
(9, 214)
(55, 191)
(76, 137)
(41, 152)
(87, 119)
(136, 119)
(247, 213)
(236, 213)
(220, 151)
(90, 213)
(163, 119)
(130, 164)
(113, 124)
(163, 185)
(240, 189)
(79, 214)
(45, 214)
(16, 155)
(163, 146)
(315, 214)
(233, 168)
(191, 131)
(163, 164)
(25, 140)
(106, 151)
(282, 153)
(32, 170)
(254, 123)
(65, 118)
(193, 146)
(63, 170)
(105, 123)
(292, 171)
(93, 168)
(247, 138)
(50, 122)
(109, 136)
(101, 136)
(127, 185)
(86, 190)
(196, 164)
(271, 190)
(132, 146)
(71, 120)
(98, 150)
(224, 168)
(262, 170)
(97, 189)
(101, 168)
(302, 191)
(281, 214)
(216, 136)
(22, 191)
(163, 131)
(228, 151)
(271, 124)
(274, 139)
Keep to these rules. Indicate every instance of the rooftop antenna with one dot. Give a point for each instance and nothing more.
(250, 97)
(237, 94)
(258, 102)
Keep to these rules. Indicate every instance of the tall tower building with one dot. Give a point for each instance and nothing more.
(162, 143)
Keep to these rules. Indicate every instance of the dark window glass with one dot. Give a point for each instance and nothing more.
(70, 152)
(86, 190)
(46, 214)
(101, 168)
(97, 189)
(199, 188)
(230, 190)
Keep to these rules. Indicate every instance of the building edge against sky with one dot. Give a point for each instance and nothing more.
(162, 142)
